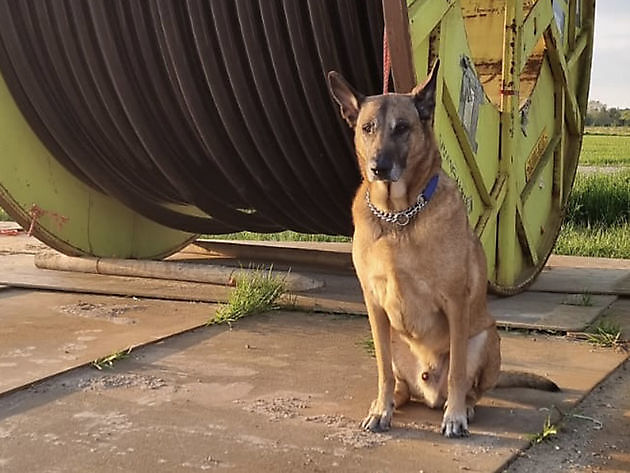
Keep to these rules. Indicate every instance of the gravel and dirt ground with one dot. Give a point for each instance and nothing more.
(594, 437)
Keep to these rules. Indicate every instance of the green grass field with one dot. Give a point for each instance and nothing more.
(599, 241)
(606, 147)
(607, 130)
(600, 199)
(3, 216)
(598, 216)
(280, 236)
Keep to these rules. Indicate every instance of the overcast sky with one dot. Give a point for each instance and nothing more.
(610, 79)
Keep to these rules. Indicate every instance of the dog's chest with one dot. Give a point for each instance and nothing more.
(403, 289)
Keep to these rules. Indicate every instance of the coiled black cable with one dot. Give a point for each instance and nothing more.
(216, 105)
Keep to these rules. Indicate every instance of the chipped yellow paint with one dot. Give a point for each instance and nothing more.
(529, 125)
(69, 216)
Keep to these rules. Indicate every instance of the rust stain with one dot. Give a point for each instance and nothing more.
(36, 212)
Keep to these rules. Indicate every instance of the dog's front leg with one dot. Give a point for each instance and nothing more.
(455, 421)
(379, 417)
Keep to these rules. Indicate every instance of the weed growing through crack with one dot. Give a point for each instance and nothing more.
(254, 293)
(109, 360)
(586, 299)
(548, 432)
(606, 334)
(368, 345)
(583, 300)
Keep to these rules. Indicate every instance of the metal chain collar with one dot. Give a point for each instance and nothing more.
(401, 218)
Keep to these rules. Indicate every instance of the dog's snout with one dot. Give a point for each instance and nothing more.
(382, 166)
(381, 172)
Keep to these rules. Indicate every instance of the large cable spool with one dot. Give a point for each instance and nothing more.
(509, 120)
(127, 127)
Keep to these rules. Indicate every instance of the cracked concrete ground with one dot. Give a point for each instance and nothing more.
(283, 391)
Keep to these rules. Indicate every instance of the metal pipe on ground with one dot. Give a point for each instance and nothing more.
(192, 272)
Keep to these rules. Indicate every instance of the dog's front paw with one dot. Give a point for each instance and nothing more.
(455, 425)
(378, 419)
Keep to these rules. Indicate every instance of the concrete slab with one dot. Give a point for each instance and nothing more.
(550, 311)
(44, 333)
(619, 314)
(340, 294)
(4, 226)
(581, 280)
(280, 392)
(20, 243)
(623, 286)
(587, 262)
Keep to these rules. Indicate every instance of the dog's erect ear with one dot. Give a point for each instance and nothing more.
(424, 94)
(349, 100)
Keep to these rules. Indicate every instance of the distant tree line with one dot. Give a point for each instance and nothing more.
(598, 114)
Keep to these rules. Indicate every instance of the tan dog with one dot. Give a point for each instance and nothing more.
(422, 269)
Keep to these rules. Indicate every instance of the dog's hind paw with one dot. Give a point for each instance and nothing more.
(470, 413)
(454, 425)
(378, 420)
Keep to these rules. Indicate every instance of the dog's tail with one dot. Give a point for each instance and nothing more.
(522, 379)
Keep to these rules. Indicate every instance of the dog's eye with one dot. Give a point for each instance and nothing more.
(400, 128)
(368, 128)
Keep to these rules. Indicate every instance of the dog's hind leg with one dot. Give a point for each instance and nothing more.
(404, 363)
(402, 393)
(455, 422)
(484, 364)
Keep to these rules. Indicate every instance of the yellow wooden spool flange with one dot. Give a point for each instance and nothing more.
(511, 100)
(69, 216)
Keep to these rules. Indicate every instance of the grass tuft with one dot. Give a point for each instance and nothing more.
(109, 360)
(368, 345)
(548, 432)
(4, 217)
(582, 300)
(605, 335)
(254, 293)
